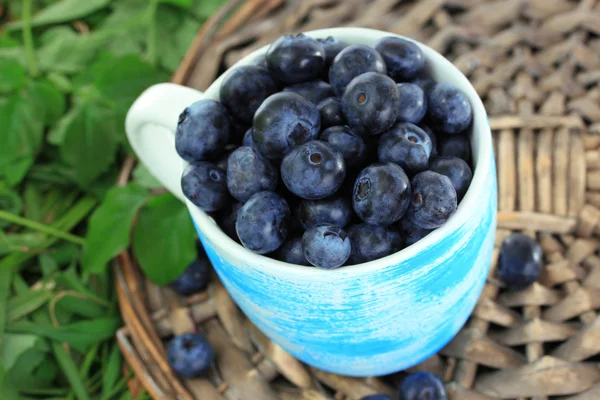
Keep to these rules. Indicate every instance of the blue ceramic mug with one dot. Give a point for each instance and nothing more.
(363, 320)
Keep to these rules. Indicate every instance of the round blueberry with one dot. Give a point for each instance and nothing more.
(189, 354)
(245, 88)
(412, 103)
(433, 200)
(205, 185)
(332, 47)
(313, 91)
(520, 261)
(422, 386)
(295, 58)
(351, 62)
(247, 141)
(221, 162)
(457, 170)
(194, 278)
(282, 122)
(350, 145)
(331, 211)
(410, 232)
(331, 112)
(371, 103)
(425, 83)
(227, 219)
(455, 146)
(404, 59)
(406, 145)
(378, 396)
(291, 251)
(261, 60)
(326, 246)
(262, 222)
(371, 242)
(248, 172)
(202, 131)
(434, 145)
(448, 108)
(313, 170)
(381, 194)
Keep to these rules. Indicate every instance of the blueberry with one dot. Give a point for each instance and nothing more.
(410, 232)
(381, 194)
(189, 354)
(413, 103)
(434, 145)
(227, 219)
(520, 261)
(262, 222)
(245, 88)
(294, 59)
(425, 83)
(283, 121)
(331, 112)
(248, 172)
(448, 108)
(351, 62)
(371, 242)
(433, 200)
(332, 48)
(376, 397)
(313, 91)
(326, 246)
(221, 163)
(457, 170)
(404, 59)
(422, 386)
(313, 170)
(406, 145)
(205, 185)
(350, 145)
(371, 103)
(202, 131)
(455, 146)
(332, 211)
(194, 278)
(291, 251)
(261, 61)
(247, 141)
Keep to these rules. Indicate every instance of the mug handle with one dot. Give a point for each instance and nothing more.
(150, 125)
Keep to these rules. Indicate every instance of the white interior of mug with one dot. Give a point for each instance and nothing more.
(441, 70)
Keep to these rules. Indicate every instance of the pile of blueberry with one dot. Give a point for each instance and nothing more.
(417, 386)
(328, 154)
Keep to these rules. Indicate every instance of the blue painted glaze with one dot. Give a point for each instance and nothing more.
(362, 322)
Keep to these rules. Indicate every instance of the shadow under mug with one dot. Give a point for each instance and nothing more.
(364, 320)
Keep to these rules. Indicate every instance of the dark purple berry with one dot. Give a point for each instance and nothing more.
(189, 354)
(291, 251)
(371, 242)
(348, 143)
(413, 103)
(295, 58)
(520, 261)
(457, 170)
(205, 185)
(331, 112)
(404, 59)
(194, 278)
(313, 91)
(455, 146)
(248, 173)
(351, 62)
(332, 211)
(448, 108)
(410, 232)
(433, 200)
(326, 246)
(422, 386)
(406, 145)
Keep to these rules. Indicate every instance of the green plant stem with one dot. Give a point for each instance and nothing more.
(28, 37)
(15, 219)
(70, 371)
(151, 38)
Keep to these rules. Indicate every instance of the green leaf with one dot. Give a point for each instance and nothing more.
(203, 9)
(175, 31)
(13, 346)
(86, 139)
(111, 371)
(23, 374)
(143, 177)
(179, 3)
(64, 51)
(22, 117)
(110, 224)
(47, 264)
(127, 26)
(12, 75)
(7, 389)
(63, 11)
(164, 252)
(79, 335)
(69, 369)
(5, 279)
(19, 242)
(32, 198)
(18, 170)
(12, 49)
(21, 305)
(54, 100)
(83, 307)
(9, 201)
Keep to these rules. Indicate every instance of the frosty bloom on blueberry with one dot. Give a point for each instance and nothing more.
(326, 154)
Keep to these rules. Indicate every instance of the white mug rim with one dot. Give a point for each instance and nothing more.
(483, 155)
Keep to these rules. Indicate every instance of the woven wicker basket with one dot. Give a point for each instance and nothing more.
(536, 65)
